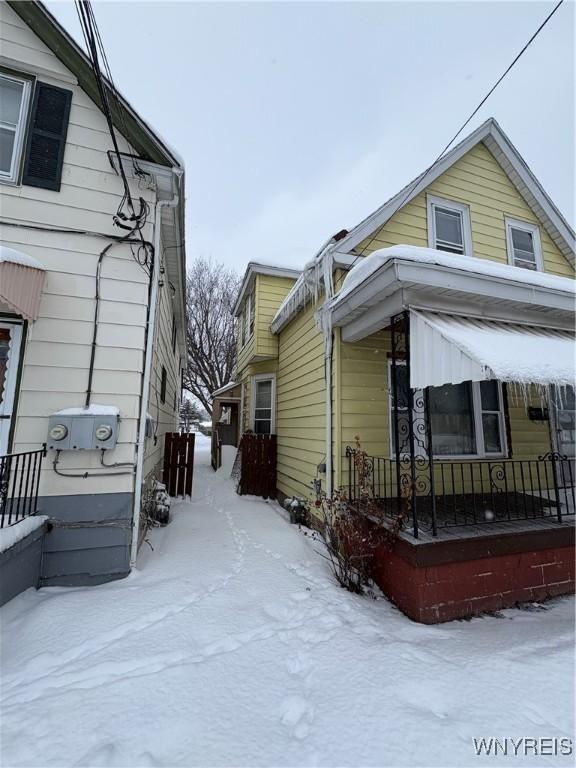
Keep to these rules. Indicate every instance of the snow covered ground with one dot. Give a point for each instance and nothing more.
(232, 646)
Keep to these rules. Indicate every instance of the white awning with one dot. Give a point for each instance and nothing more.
(448, 349)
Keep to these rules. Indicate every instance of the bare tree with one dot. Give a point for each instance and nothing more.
(211, 290)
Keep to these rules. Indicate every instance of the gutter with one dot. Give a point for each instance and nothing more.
(172, 202)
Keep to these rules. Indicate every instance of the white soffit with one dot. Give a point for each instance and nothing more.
(447, 349)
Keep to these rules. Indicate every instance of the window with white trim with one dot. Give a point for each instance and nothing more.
(449, 226)
(263, 404)
(523, 243)
(247, 318)
(466, 420)
(14, 102)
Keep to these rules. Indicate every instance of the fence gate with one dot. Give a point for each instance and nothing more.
(179, 463)
(258, 466)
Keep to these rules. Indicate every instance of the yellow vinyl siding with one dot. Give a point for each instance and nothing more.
(478, 181)
(301, 405)
(270, 293)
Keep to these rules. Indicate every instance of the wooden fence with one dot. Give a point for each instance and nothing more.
(179, 463)
(258, 466)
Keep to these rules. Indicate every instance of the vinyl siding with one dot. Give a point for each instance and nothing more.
(478, 181)
(57, 350)
(301, 404)
(165, 414)
(270, 293)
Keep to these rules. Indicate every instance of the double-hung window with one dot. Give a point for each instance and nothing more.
(523, 242)
(247, 318)
(449, 226)
(263, 404)
(14, 100)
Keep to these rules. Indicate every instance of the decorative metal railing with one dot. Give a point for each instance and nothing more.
(443, 494)
(19, 483)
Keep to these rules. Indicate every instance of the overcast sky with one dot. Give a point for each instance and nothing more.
(297, 119)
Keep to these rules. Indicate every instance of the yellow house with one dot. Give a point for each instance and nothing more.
(439, 331)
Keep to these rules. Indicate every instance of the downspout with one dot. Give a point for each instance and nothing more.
(145, 393)
(328, 367)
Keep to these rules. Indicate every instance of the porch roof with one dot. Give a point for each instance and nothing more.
(447, 349)
(403, 277)
(21, 282)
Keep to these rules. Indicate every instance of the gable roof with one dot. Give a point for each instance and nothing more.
(260, 268)
(147, 143)
(511, 162)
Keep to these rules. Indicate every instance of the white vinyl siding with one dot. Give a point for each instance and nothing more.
(57, 345)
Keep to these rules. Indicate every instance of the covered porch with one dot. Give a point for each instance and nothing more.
(465, 450)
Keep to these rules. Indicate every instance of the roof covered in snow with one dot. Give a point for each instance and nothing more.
(262, 268)
(365, 268)
(225, 388)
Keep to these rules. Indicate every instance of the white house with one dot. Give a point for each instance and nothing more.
(92, 314)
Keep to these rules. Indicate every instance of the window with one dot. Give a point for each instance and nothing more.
(523, 243)
(263, 405)
(449, 226)
(174, 333)
(163, 385)
(466, 420)
(246, 319)
(14, 100)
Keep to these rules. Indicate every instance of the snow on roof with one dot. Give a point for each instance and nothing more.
(484, 349)
(91, 410)
(17, 257)
(225, 388)
(367, 266)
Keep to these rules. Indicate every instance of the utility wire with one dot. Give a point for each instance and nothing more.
(422, 176)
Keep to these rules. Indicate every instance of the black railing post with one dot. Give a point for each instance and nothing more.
(394, 370)
(430, 452)
(411, 444)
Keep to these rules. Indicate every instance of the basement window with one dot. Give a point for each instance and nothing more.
(449, 226)
(523, 242)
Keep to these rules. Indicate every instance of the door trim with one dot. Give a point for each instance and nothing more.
(9, 399)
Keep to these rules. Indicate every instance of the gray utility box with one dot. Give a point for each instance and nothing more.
(83, 429)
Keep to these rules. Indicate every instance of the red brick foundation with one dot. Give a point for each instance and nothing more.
(466, 578)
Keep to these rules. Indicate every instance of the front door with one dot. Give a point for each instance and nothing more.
(10, 339)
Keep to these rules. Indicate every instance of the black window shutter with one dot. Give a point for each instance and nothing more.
(47, 137)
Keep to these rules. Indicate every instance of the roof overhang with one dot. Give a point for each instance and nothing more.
(446, 349)
(256, 268)
(401, 284)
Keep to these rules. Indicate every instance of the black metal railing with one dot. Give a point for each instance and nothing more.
(458, 493)
(19, 483)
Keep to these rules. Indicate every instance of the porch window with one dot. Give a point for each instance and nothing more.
(263, 405)
(523, 242)
(14, 98)
(449, 226)
(247, 319)
(467, 419)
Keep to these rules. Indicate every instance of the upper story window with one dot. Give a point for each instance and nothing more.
(449, 226)
(523, 243)
(14, 102)
(247, 318)
(34, 120)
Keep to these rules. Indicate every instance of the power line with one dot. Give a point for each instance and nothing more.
(423, 175)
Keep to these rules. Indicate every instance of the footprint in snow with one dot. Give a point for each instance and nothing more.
(296, 713)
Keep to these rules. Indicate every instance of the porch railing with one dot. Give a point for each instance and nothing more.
(459, 493)
(19, 483)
